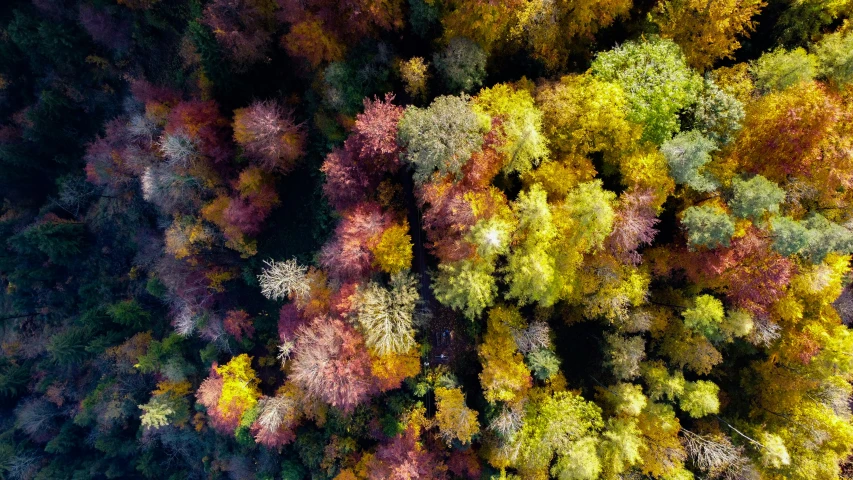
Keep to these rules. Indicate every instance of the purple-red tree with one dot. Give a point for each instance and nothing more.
(348, 255)
(269, 135)
(331, 363)
(402, 458)
(368, 155)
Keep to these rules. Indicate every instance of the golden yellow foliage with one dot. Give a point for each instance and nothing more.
(393, 252)
(505, 376)
(240, 390)
(706, 30)
(390, 370)
(455, 420)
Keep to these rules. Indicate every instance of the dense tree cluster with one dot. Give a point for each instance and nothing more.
(431, 239)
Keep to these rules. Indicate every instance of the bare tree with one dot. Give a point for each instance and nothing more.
(280, 280)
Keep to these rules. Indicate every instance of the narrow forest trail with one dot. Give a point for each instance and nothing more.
(417, 233)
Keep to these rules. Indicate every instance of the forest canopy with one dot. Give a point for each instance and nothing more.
(426, 239)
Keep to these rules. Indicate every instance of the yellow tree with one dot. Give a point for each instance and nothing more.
(504, 377)
(240, 390)
(456, 422)
(583, 114)
(706, 30)
(550, 28)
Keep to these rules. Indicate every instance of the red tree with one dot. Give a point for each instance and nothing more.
(368, 155)
(269, 135)
(237, 323)
(242, 28)
(201, 122)
(634, 225)
(331, 363)
(402, 458)
(348, 255)
(289, 321)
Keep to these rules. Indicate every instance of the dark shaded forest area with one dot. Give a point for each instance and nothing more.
(426, 239)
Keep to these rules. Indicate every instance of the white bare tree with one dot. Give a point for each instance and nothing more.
(280, 280)
(715, 454)
(385, 316)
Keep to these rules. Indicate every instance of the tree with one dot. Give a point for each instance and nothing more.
(773, 454)
(656, 80)
(714, 453)
(780, 69)
(543, 363)
(687, 153)
(707, 227)
(520, 126)
(718, 114)
(633, 225)
(552, 30)
(456, 422)
(348, 254)
(238, 323)
(486, 23)
(530, 266)
(462, 65)
(835, 56)
(504, 377)
(404, 458)
(826, 237)
(706, 31)
(441, 137)
(229, 392)
(621, 444)
(806, 116)
(242, 28)
(414, 73)
(280, 280)
(562, 425)
(756, 197)
(276, 420)
(369, 154)
(705, 316)
(392, 369)
(583, 114)
(269, 135)
(156, 413)
(700, 398)
(624, 355)
(467, 286)
(393, 252)
(331, 363)
(310, 40)
(385, 315)
(239, 387)
(129, 313)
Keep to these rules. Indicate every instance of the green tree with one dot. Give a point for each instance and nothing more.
(718, 114)
(835, 56)
(562, 425)
(129, 313)
(707, 227)
(687, 154)
(705, 316)
(700, 398)
(441, 137)
(543, 363)
(789, 235)
(755, 197)
(462, 65)
(656, 80)
(466, 285)
(780, 69)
